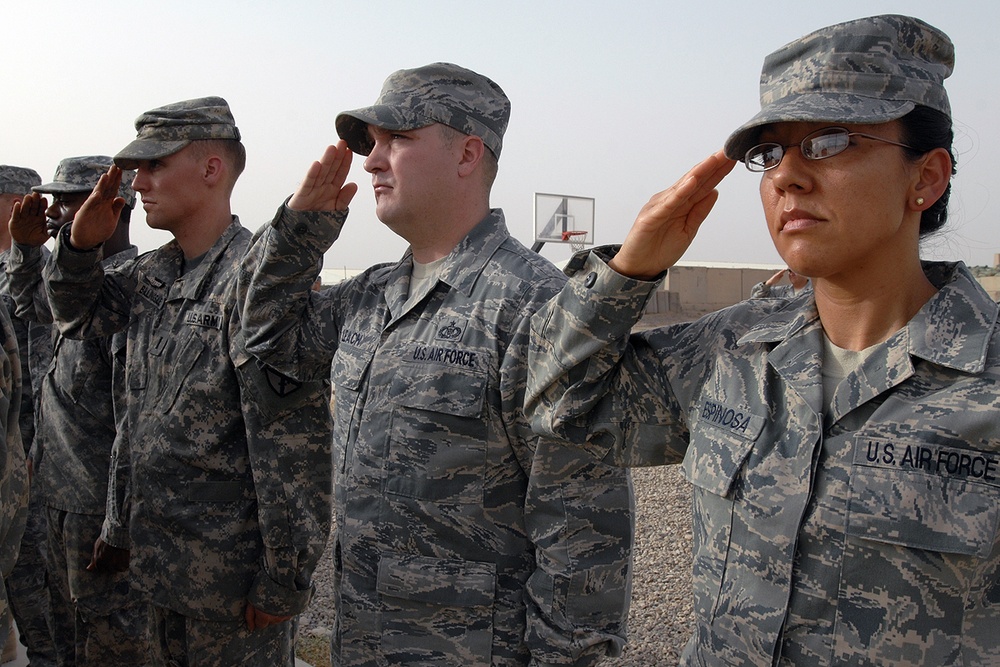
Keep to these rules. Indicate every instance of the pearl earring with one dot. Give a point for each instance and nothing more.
(920, 201)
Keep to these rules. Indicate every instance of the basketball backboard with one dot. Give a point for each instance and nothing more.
(563, 219)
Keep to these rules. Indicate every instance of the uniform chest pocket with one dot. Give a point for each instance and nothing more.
(919, 539)
(347, 372)
(349, 367)
(713, 461)
(715, 455)
(170, 363)
(438, 439)
(924, 511)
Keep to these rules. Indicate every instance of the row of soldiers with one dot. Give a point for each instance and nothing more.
(68, 427)
(220, 541)
(70, 593)
(184, 423)
(485, 407)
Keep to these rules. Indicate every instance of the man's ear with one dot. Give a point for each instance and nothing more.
(472, 154)
(213, 169)
(933, 176)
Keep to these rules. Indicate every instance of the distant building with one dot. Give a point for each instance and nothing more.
(330, 276)
(692, 289)
(696, 288)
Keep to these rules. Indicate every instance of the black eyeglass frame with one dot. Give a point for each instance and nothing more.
(806, 150)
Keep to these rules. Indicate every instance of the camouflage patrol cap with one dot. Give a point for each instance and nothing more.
(17, 180)
(437, 93)
(165, 130)
(871, 70)
(80, 174)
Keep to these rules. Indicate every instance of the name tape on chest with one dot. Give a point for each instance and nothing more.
(200, 318)
(928, 458)
(735, 420)
(355, 338)
(448, 356)
(151, 290)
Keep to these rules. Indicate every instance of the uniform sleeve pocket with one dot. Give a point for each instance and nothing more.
(275, 395)
(923, 511)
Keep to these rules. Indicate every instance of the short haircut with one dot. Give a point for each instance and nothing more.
(230, 150)
(490, 164)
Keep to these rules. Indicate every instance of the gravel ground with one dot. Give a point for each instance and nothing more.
(660, 616)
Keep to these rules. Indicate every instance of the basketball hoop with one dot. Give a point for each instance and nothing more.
(575, 239)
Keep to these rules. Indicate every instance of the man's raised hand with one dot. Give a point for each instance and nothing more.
(27, 220)
(97, 219)
(324, 187)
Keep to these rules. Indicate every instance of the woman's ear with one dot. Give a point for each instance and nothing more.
(933, 176)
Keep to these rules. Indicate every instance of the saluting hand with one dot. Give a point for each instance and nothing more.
(324, 187)
(27, 220)
(667, 224)
(776, 278)
(97, 219)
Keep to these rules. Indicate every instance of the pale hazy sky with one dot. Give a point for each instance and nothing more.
(611, 100)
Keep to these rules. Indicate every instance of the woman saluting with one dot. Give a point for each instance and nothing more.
(844, 444)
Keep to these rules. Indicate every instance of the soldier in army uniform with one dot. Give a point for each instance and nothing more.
(13, 465)
(462, 538)
(76, 433)
(844, 444)
(226, 522)
(27, 586)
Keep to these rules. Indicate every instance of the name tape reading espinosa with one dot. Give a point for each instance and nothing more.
(933, 459)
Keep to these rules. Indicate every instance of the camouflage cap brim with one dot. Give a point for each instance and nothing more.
(165, 130)
(17, 180)
(125, 191)
(147, 149)
(871, 70)
(437, 93)
(819, 108)
(56, 188)
(352, 126)
(79, 175)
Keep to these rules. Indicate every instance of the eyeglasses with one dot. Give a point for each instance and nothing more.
(817, 145)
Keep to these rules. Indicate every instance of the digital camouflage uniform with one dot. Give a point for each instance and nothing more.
(28, 586)
(858, 528)
(461, 537)
(224, 508)
(213, 502)
(13, 468)
(864, 536)
(75, 435)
